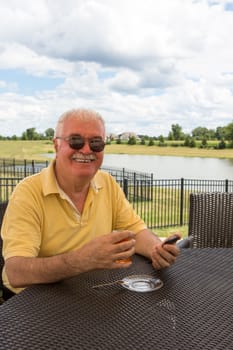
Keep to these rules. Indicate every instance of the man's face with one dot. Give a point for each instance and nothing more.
(83, 162)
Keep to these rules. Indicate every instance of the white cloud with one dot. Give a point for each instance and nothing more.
(143, 64)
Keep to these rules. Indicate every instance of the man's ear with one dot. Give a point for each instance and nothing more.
(55, 144)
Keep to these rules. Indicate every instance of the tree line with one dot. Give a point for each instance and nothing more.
(198, 136)
(222, 134)
(31, 134)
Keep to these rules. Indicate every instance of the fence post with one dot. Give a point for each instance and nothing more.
(14, 167)
(33, 167)
(125, 187)
(4, 168)
(151, 187)
(134, 187)
(181, 201)
(226, 185)
(25, 167)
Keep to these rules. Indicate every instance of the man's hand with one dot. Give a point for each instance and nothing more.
(164, 254)
(108, 251)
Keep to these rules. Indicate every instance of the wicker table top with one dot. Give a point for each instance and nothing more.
(193, 310)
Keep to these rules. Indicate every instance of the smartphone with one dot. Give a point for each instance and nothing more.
(171, 239)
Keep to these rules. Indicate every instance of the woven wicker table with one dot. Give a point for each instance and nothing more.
(193, 310)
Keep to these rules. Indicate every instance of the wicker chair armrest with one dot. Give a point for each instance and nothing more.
(186, 242)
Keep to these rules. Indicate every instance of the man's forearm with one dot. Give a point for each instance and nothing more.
(25, 271)
(145, 241)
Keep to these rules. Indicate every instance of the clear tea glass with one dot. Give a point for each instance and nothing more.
(123, 261)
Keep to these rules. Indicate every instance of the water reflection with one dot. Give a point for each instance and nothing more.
(164, 167)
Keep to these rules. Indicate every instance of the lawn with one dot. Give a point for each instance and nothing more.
(165, 232)
(29, 150)
(169, 151)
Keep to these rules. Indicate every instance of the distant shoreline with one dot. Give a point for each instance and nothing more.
(169, 151)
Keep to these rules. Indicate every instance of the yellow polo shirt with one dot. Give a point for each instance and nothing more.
(42, 221)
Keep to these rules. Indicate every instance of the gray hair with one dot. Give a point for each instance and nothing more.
(77, 114)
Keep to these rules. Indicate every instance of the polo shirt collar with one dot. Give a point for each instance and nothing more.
(50, 185)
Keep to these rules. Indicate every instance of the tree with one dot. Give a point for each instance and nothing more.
(176, 133)
(200, 133)
(211, 134)
(143, 142)
(220, 133)
(161, 141)
(229, 133)
(49, 133)
(30, 134)
(170, 136)
(222, 144)
(187, 141)
(151, 142)
(132, 140)
(192, 143)
(204, 143)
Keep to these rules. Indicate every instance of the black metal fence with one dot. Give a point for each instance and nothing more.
(160, 202)
(20, 168)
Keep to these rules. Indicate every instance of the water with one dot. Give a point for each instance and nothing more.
(165, 167)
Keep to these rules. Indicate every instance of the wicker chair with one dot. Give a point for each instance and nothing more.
(3, 206)
(210, 220)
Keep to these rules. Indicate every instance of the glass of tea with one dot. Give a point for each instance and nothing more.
(123, 261)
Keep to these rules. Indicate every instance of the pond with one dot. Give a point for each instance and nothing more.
(165, 167)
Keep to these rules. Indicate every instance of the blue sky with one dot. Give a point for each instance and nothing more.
(143, 64)
(24, 83)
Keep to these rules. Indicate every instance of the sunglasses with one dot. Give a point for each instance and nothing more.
(77, 142)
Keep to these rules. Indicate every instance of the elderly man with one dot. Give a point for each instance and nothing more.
(72, 217)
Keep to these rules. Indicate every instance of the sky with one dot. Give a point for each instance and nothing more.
(142, 64)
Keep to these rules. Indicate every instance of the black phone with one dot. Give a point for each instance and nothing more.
(171, 239)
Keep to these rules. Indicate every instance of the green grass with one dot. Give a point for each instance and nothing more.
(165, 232)
(30, 150)
(160, 205)
(168, 151)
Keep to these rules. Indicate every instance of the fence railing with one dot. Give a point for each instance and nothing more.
(20, 167)
(164, 203)
(160, 202)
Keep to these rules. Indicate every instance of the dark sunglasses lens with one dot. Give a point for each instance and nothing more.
(76, 142)
(97, 145)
